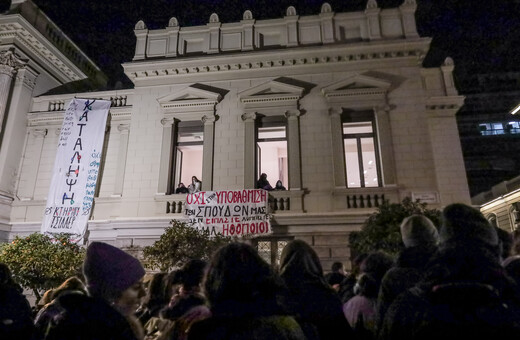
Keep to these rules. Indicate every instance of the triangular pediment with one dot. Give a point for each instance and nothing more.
(357, 82)
(272, 88)
(190, 93)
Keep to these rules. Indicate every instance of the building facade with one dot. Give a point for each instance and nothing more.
(334, 105)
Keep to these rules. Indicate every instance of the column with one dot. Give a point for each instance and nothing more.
(249, 150)
(293, 146)
(124, 130)
(207, 153)
(9, 64)
(385, 145)
(338, 154)
(165, 167)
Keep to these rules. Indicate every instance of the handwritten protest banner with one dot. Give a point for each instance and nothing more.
(76, 168)
(230, 213)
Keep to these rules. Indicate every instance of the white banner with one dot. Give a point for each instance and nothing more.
(76, 168)
(230, 213)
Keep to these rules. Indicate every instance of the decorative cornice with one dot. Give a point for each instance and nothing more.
(334, 56)
(10, 31)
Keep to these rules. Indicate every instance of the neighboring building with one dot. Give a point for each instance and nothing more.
(501, 204)
(489, 134)
(336, 105)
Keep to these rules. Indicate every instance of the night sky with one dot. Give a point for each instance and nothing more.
(480, 36)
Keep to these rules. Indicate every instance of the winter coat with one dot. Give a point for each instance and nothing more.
(309, 297)
(409, 269)
(15, 314)
(80, 317)
(464, 294)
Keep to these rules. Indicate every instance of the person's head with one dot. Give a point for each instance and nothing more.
(114, 276)
(181, 185)
(237, 273)
(191, 274)
(337, 267)
(72, 284)
(463, 225)
(158, 293)
(299, 262)
(377, 264)
(279, 184)
(263, 175)
(6, 279)
(194, 179)
(418, 231)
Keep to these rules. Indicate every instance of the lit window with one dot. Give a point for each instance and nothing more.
(271, 249)
(272, 151)
(188, 153)
(361, 161)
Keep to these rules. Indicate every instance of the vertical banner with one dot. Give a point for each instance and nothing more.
(76, 167)
(230, 212)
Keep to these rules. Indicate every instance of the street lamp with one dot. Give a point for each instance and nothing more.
(516, 109)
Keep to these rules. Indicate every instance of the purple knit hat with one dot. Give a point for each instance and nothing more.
(109, 270)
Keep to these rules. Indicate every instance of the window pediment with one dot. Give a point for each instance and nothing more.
(188, 101)
(271, 94)
(357, 91)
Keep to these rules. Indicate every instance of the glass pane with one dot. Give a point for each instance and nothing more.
(190, 164)
(271, 132)
(352, 163)
(369, 162)
(273, 161)
(279, 249)
(264, 250)
(357, 127)
(190, 136)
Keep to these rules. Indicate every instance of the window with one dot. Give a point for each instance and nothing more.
(272, 150)
(187, 153)
(361, 154)
(499, 128)
(271, 249)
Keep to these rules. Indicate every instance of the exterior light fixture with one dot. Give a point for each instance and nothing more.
(516, 109)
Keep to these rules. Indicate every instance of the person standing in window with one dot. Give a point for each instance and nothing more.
(263, 183)
(195, 185)
(279, 186)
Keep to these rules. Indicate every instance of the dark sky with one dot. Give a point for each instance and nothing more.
(480, 36)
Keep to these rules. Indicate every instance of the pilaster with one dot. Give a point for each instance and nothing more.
(293, 145)
(124, 130)
(338, 154)
(208, 149)
(249, 149)
(165, 166)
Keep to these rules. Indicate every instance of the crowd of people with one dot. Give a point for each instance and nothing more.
(461, 280)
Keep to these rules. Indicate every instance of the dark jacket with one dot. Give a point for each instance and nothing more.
(409, 269)
(15, 314)
(465, 293)
(80, 317)
(309, 297)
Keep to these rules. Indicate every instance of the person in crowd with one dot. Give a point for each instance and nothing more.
(360, 310)
(279, 186)
(157, 297)
(195, 186)
(242, 292)
(181, 189)
(336, 276)
(114, 283)
(190, 296)
(308, 296)
(465, 292)
(73, 285)
(420, 238)
(15, 312)
(263, 183)
(346, 288)
(512, 267)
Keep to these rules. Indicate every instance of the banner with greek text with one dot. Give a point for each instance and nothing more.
(76, 168)
(230, 213)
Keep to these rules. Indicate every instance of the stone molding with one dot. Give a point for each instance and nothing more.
(190, 103)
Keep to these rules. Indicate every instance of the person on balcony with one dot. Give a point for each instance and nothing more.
(263, 183)
(279, 186)
(195, 185)
(181, 189)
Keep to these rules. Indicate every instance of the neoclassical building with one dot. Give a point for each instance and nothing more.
(335, 105)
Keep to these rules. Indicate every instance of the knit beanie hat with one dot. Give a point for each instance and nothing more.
(418, 230)
(464, 223)
(109, 270)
